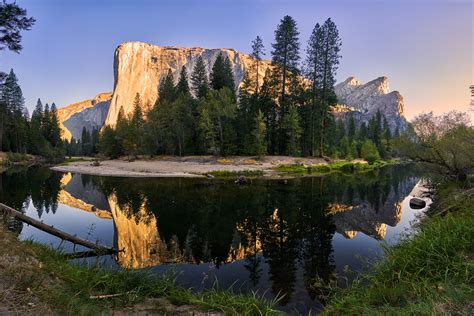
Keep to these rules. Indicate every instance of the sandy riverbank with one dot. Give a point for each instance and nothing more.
(191, 166)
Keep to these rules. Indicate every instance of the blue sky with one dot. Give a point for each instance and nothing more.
(424, 47)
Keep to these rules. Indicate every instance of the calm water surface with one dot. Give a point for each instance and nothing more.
(270, 236)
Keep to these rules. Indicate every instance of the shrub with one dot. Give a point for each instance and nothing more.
(371, 159)
(348, 167)
(369, 152)
(16, 157)
(319, 169)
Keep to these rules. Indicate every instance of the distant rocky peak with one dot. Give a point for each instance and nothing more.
(351, 81)
(369, 98)
(379, 85)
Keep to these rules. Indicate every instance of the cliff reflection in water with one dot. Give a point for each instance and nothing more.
(277, 229)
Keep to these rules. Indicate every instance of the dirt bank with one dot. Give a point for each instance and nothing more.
(191, 166)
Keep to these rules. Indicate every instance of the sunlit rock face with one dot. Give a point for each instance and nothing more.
(89, 113)
(140, 67)
(366, 99)
(137, 238)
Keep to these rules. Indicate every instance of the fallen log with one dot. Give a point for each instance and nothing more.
(56, 232)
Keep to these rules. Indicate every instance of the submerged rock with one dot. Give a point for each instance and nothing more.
(416, 203)
(242, 180)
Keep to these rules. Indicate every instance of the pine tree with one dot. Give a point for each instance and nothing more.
(13, 120)
(121, 129)
(137, 114)
(270, 111)
(13, 20)
(222, 75)
(313, 73)
(291, 123)
(166, 90)
(340, 129)
(135, 130)
(217, 112)
(181, 124)
(258, 51)
(108, 143)
(259, 135)
(86, 142)
(331, 45)
(36, 139)
(183, 86)
(285, 55)
(46, 123)
(55, 132)
(363, 133)
(351, 129)
(199, 79)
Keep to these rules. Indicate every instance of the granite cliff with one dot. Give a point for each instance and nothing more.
(140, 67)
(364, 100)
(89, 113)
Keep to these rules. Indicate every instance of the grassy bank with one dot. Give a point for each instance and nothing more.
(337, 166)
(41, 277)
(428, 273)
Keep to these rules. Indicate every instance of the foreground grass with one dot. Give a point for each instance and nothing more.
(429, 273)
(68, 288)
(338, 166)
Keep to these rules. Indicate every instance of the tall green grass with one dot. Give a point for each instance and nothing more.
(431, 272)
(70, 292)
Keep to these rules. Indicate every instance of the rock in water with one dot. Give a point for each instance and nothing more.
(417, 204)
(140, 67)
(364, 100)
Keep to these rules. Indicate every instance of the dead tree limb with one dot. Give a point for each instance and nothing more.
(56, 232)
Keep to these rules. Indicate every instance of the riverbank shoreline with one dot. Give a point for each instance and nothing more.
(427, 272)
(35, 279)
(208, 166)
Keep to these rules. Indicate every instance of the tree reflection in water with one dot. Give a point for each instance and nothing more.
(287, 227)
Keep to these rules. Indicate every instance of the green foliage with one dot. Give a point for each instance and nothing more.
(369, 152)
(13, 20)
(39, 136)
(71, 294)
(109, 144)
(292, 128)
(17, 157)
(259, 135)
(428, 273)
(319, 169)
(217, 111)
(443, 144)
(222, 75)
(199, 79)
(183, 86)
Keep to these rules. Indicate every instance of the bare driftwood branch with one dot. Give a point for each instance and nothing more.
(108, 295)
(56, 232)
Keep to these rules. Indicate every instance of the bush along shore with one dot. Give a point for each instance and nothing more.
(41, 280)
(429, 272)
(336, 166)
